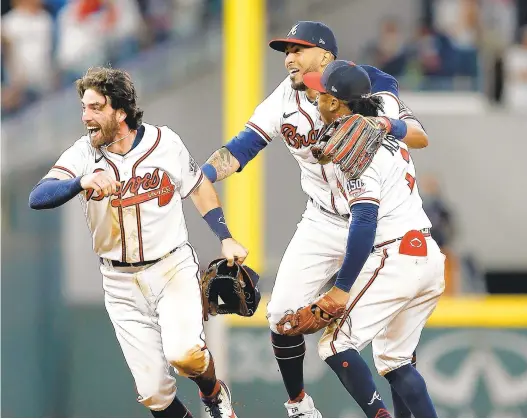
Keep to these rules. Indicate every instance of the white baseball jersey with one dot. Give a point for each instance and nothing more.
(144, 219)
(395, 292)
(290, 115)
(389, 182)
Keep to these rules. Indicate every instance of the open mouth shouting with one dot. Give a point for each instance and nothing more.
(93, 130)
(293, 72)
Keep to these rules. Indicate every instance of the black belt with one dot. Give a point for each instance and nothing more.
(425, 231)
(119, 264)
(321, 208)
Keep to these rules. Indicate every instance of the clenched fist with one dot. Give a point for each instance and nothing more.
(101, 182)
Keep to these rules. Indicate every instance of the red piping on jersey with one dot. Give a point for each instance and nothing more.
(356, 300)
(339, 185)
(323, 173)
(137, 207)
(378, 246)
(195, 185)
(260, 131)
(68, 171)
(333, 203)
(355, 200)
(303, 112)
(330, 191)
(120, 209)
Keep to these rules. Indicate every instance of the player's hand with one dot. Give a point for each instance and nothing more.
(339, 296)
(101, 182)
(233, 251)
(384, 123)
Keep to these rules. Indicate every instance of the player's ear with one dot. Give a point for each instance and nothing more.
(334, 104)
(327, 57)
(122, 115)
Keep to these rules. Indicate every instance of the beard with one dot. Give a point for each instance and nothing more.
(299, 85)
(106, 134)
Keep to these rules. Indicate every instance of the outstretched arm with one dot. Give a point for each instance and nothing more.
(234, 155)
(58, 188)
(410, 131)
(220, 165)
(416, 136)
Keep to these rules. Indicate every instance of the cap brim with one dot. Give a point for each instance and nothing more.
(280, 44)
(314, 81)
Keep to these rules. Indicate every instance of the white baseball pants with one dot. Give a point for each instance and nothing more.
(389, 304)
(157, 315)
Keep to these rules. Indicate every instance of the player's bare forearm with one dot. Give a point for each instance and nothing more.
(416, 136)
(224, 162)
(205, 197)
(208, 204)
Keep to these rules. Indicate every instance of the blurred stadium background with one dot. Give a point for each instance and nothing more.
(462, 67)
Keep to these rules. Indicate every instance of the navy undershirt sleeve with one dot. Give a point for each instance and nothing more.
(245, 146)
(360, 242)
(51, 193)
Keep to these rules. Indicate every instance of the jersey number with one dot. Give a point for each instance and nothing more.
(409, 178)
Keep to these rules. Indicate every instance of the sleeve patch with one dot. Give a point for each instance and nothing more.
(355, 188)
(193, 167)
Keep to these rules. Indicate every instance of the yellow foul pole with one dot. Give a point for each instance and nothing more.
(244, 43)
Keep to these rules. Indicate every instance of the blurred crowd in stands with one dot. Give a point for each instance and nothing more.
(463, 273)
(459, 45)
(478, 45)
(46, 44)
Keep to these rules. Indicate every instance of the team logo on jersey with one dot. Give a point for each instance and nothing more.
(153, 185)
(295, 140)
(415, 242)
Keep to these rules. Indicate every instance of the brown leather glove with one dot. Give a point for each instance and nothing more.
(351, 143)
(312, 318)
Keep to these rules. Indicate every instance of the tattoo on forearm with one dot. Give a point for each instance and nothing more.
(224, 163)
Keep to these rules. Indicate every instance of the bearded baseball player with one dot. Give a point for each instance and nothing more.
(393, 272)
(131, 178)
(318, 247)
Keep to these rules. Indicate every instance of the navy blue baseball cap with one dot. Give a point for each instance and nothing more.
(308, 33)
(342, 79)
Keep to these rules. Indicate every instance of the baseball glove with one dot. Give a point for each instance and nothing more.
(235, 285)
(351, 142)
(312, 318)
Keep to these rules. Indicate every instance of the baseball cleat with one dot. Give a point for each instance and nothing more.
(302, 409)
(220, 405)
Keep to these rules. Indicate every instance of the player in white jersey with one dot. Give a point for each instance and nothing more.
(131, 178)
(317, 249)
(393, 272)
